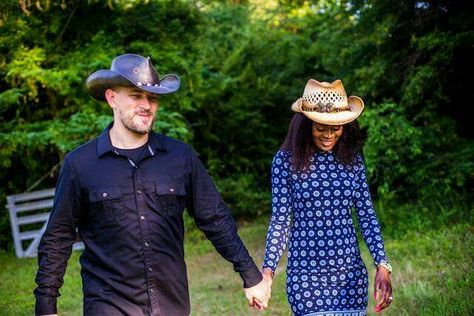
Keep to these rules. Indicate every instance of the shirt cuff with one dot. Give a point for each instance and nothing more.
(251, 277)
(45, 305)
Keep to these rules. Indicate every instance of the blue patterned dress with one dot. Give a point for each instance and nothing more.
(311, 212)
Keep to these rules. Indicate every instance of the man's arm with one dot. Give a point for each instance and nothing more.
(214, 218)
(55, 247)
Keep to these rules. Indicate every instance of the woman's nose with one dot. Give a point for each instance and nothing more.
(328, 133)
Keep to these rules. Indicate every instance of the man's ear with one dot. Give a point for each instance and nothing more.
(110, 97)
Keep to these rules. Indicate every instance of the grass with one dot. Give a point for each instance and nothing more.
(433, 276)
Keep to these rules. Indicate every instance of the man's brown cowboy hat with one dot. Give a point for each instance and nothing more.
(327, 103)
(134, 71)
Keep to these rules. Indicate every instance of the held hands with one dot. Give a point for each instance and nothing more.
(383, 289)
(259, 294)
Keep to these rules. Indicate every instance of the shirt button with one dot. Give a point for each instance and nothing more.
(152, 290)
(139, 192)
(104, 194)
(146, 244)
(142, 218)
(150, 269)
(171, 190)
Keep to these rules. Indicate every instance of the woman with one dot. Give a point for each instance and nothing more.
(318, 176)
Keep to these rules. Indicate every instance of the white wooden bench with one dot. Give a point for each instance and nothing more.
(29, 214)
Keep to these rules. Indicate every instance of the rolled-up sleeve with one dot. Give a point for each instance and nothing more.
(214, 218)
(55, 247)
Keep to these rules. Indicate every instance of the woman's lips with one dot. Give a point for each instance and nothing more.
(327, 143)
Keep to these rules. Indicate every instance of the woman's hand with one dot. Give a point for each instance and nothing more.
(383, 289)
(267, 275)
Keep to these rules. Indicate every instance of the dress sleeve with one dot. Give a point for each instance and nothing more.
(367, 219)
(280, 222)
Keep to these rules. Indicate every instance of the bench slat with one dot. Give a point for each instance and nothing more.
(31, 206)
(32, 195)
(37, 218)
(31, 201)
(31, 234)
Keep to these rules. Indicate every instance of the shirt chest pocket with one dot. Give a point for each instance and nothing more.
(107, 204)
(170, 196)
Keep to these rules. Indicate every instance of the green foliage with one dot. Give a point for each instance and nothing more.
(399, 219)
(391, 138)
(430, 159)
(242, 64)
(46, 56)
(402, 58)
(240, 193)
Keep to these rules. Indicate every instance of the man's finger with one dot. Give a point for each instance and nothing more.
(250, 301)
(257, 303)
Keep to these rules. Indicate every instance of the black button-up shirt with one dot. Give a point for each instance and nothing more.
(129, 215)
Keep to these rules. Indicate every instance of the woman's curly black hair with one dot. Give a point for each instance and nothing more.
(299, 142)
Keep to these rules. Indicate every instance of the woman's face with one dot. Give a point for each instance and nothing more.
(325, 136)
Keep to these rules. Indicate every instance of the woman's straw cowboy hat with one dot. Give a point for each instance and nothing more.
(327, 103)
(133, 71)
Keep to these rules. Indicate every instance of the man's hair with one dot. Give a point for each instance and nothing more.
(299, 142)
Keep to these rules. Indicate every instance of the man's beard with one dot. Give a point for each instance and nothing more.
(127, 121)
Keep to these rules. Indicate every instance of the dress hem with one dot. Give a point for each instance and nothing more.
(354, 312)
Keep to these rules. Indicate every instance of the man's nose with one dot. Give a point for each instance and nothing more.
(145, 103)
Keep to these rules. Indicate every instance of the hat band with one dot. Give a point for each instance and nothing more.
(148, 84)
(323, 107)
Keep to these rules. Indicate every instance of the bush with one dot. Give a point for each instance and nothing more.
(245, 196)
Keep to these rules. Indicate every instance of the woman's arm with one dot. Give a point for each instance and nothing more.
(278, 230)
(368, 222)
(372, 235)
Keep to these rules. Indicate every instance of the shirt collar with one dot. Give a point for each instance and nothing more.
(104, 144)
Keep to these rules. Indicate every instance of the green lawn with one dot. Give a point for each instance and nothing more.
(433, 276)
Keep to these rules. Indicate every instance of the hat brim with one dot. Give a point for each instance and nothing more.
(98, 82)
(355, 104)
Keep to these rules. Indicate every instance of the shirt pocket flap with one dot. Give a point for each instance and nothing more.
(170, 188)
(105, 194)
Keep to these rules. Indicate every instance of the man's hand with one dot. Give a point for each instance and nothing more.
(259, 294)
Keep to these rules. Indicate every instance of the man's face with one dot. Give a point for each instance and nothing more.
(325, 136)
(134, 108)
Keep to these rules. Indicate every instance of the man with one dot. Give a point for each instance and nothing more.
(125, 192)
